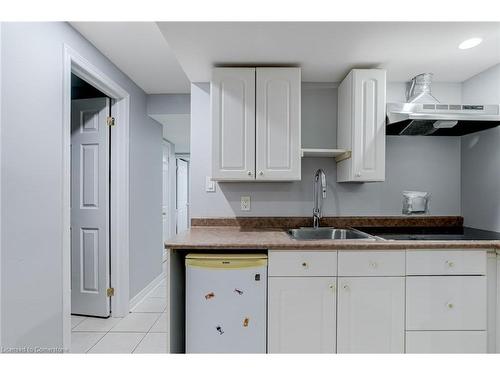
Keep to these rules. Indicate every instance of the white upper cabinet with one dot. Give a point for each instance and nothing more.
(256, 124)
(232, 94)
(361, 126)
(278, 146)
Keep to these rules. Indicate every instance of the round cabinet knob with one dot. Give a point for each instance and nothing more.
(450, 263)
(332, 286)
(261, 173)
(249, 173)
(346, 287)
(304, 264)
(373, 264)
(449, 305)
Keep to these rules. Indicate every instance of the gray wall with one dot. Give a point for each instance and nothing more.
(421, 163)
(481, 157)
(168, 104)
(31, 178)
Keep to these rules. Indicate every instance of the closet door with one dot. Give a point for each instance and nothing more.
(278, 124)
(233, 124)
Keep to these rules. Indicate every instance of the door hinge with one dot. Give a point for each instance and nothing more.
(110, 121)
(110, 292)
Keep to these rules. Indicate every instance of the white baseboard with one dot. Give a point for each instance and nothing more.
(139, 297)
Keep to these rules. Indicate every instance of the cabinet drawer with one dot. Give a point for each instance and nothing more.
(446, 262)
(445, 303)
(302, 263)
(371, 263)
(446, 342)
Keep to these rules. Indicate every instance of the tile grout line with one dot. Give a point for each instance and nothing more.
(150, 328)
(130, 312)
(149, 331)
(105, 334)
(85, 318)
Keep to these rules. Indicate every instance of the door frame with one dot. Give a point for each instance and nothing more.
(185, 158)
(172, 186)
(74, 63)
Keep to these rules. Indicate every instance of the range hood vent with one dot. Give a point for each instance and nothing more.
(423, 114)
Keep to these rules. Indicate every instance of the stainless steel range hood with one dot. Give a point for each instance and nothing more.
(424, 115)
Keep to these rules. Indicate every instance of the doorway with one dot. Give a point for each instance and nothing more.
(118, 207)
(90, 200)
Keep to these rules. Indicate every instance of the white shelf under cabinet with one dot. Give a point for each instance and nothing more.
(323, 152)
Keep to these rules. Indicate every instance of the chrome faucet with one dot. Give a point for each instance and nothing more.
(318, 198)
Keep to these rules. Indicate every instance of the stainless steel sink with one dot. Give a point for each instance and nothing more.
(324, 233)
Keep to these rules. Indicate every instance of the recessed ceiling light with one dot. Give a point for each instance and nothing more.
(470, 43)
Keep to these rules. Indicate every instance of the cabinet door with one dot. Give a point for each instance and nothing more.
(368, 148)
(301, 315)
(233, 124)
(446, 303)
(278, 124)
(446, 342)
(371, 315)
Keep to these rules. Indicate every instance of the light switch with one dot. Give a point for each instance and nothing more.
(245, 203)
(209, 185)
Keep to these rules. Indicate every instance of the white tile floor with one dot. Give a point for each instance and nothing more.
(144, 330)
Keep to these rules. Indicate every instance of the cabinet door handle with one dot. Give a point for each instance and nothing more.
(449, 305)
(373, 264)
(304, 264)
(346, 287)
(332, 287)
(249, 173)
(261, 173)
(450, 263)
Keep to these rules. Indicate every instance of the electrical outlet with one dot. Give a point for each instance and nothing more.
(209, 185)
(245, 203)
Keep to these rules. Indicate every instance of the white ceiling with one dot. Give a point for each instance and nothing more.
(176, 129)
(326, 51)
(140, 51)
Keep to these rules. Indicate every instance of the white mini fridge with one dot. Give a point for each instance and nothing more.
(226, 299)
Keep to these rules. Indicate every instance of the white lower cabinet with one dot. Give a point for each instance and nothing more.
(424, 301)
(302, 315)
(371, 315)
(445, 303)
(446, 342)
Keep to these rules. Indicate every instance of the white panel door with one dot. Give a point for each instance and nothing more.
(371, 315)
(232, 95)
(90, 207)
(182, 196)
(278, 139)
(302, 314)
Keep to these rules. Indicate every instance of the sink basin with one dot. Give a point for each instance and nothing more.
(307, 233)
